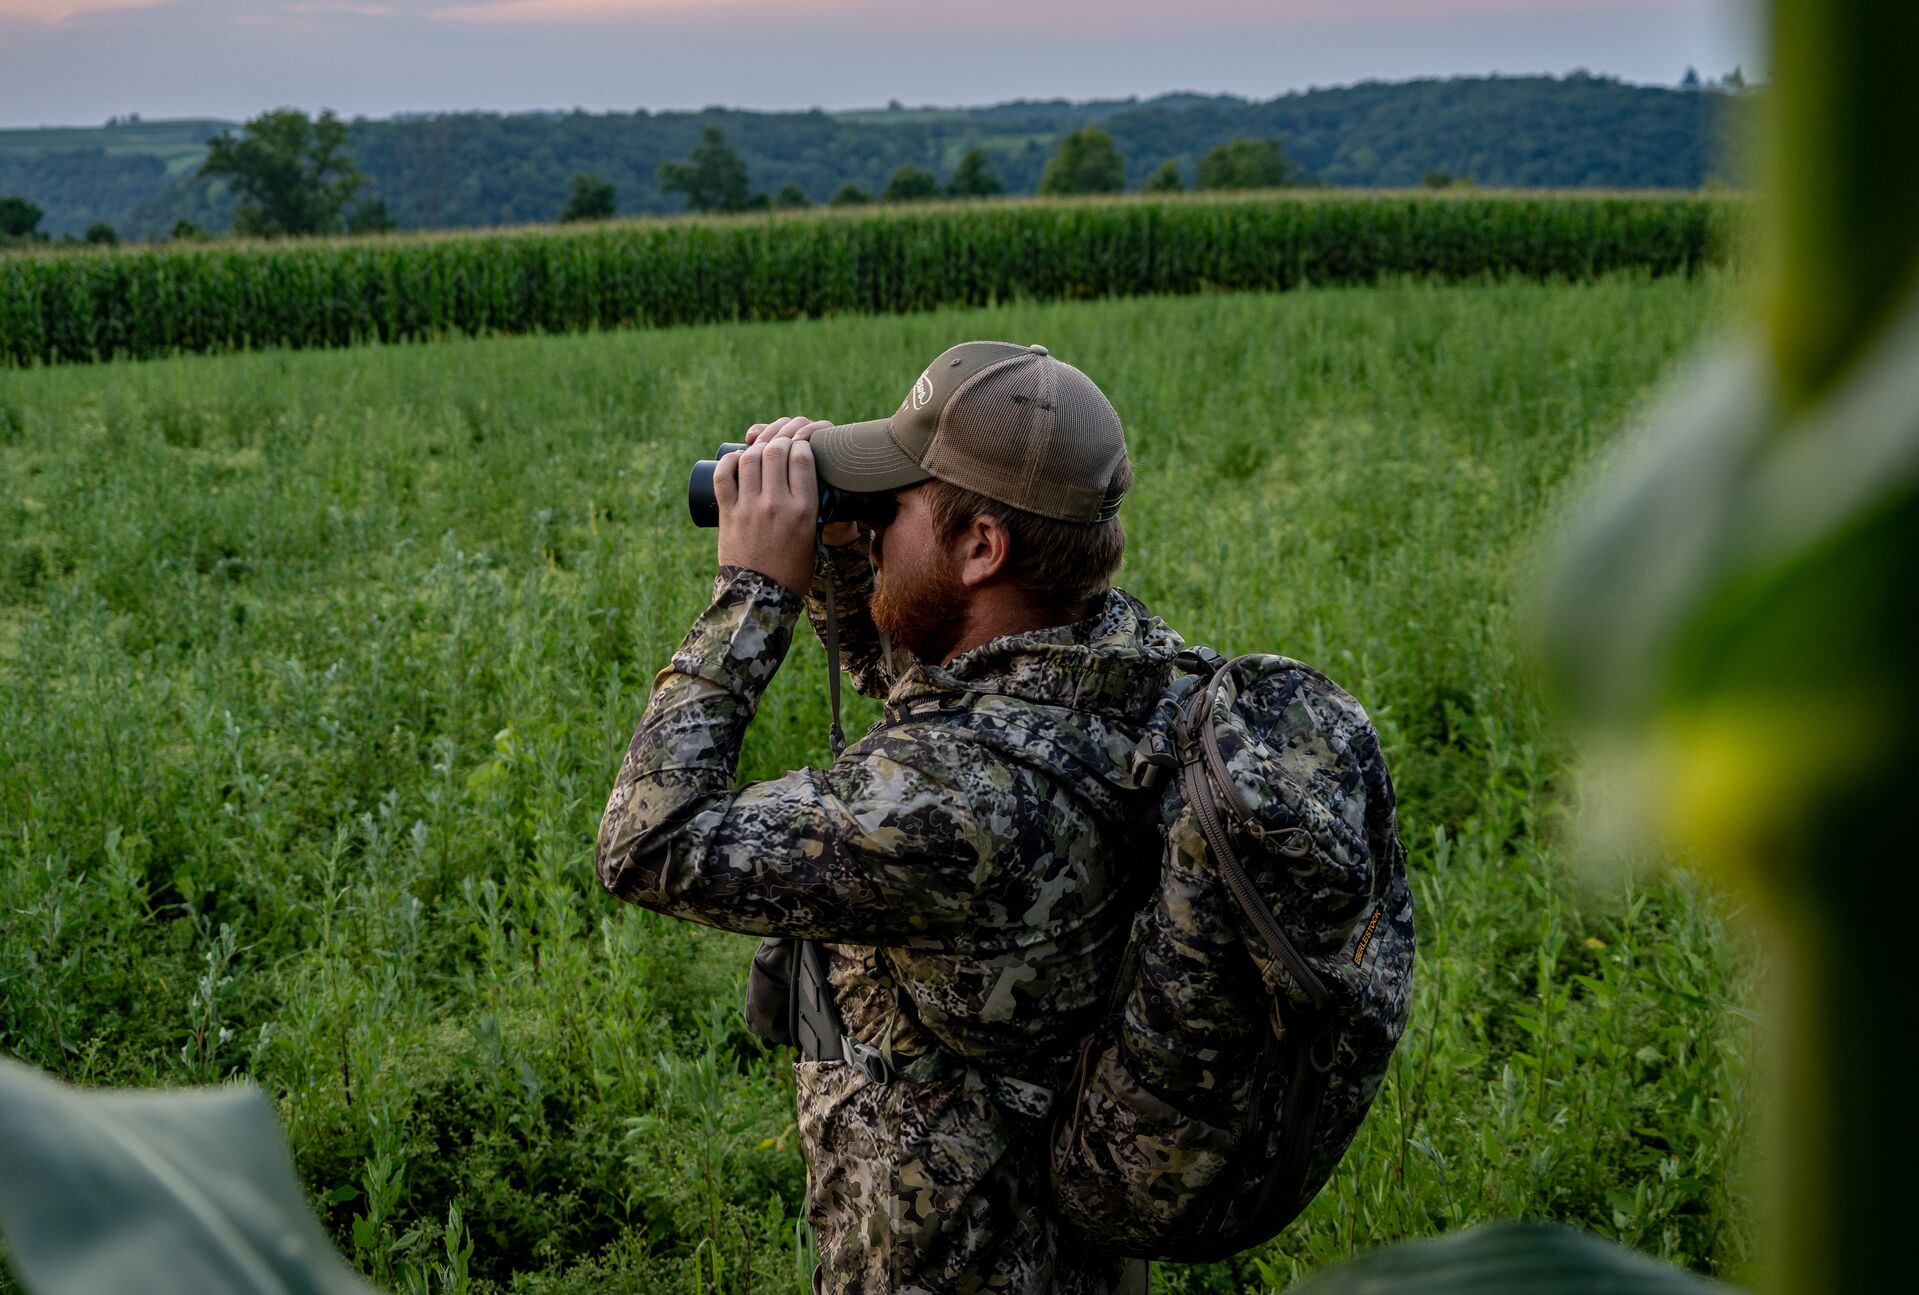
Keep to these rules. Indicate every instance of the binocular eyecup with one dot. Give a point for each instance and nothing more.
(836, 505)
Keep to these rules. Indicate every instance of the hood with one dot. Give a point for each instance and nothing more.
(1116, 663)
(1080, 693)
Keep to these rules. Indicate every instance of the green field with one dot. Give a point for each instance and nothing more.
(148, 302)
(315, 668)
(179, 144)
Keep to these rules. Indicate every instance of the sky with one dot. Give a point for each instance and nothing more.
(77, 62)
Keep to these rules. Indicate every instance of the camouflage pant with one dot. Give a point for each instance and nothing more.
(933, 1187)
(1136, 1280)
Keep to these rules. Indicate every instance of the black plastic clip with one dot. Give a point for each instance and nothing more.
(1153, 759)
(875, 1063)
(1199, 659)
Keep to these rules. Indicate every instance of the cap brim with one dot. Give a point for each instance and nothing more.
(864, 457)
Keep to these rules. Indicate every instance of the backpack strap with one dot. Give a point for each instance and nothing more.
(820, 1033)
(1207, 784)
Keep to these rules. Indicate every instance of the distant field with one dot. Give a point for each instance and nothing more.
(315, 669)
(180, 144)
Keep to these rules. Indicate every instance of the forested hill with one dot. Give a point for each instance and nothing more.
(489, 169)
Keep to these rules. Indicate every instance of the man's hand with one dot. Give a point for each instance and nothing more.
(769, 502)
(833, 534)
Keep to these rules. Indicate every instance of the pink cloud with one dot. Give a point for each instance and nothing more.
(358, 10)
(981, 13)
(59, 13)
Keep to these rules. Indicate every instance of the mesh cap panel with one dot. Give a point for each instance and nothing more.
(1034, 433)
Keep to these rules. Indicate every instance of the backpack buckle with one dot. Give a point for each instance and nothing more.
(875, 1063)
(1199, 659)
(1153, 758)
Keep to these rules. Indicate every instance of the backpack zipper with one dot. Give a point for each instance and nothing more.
(1208, 783)
(1299, 1120)
(1201, 795)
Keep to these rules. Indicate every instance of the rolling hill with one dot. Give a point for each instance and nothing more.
(472, 169)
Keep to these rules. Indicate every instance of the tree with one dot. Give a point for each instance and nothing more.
(974, 177)
(369, 217)
(790, 198)
(849, 195)
(185, 231)
(713, 178)
(911, 184)
(1691, 80)
(591, 198)
(1164, 180)
(19, 219)
(1245, 164)
(101, 234)
(292, 173)
(1087, 162)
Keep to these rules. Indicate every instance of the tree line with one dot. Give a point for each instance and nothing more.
(714, 178)
(474, 169)
(293, 177)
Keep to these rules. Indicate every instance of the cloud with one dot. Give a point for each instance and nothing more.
(219, 58)
(357, 10)
(1019, 14)
(574, 13)
(61, 13)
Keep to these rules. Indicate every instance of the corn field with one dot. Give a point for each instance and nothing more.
(134, 303)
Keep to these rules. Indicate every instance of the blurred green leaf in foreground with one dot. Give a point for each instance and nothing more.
(155, 1191)
(1737, 621)
(1508, 1257)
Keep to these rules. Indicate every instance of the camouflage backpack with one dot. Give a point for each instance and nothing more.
(1266, 981)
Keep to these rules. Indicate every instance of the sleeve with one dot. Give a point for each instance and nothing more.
(869, 851)
(865, 653)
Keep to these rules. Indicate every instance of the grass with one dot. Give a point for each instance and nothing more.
(315, 669)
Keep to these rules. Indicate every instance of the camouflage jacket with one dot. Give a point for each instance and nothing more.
(976, 855)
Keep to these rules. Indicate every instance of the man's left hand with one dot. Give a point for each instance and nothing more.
(769, 502)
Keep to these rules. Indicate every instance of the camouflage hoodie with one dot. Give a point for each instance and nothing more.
(971, 864)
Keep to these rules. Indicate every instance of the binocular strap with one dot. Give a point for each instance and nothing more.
(835, 736)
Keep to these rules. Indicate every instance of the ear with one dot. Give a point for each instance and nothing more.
(981, 551)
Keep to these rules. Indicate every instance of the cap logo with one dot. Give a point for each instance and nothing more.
(922, 391)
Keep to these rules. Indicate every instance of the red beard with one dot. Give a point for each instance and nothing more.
(924, 612)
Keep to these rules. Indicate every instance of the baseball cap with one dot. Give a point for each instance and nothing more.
(1006, 421)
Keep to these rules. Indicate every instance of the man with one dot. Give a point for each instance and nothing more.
(973, 864)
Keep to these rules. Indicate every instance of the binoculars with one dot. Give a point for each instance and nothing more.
(836, 505)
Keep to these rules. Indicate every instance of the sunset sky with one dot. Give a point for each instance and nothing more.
(80, 61)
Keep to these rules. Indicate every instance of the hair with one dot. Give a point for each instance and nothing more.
(1059, 565)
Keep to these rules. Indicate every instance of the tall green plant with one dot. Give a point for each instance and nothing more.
(1739, 615)
(187, 298)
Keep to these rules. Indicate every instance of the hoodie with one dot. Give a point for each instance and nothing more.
(972, 865)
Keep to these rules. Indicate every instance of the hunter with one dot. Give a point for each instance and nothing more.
(970, 867)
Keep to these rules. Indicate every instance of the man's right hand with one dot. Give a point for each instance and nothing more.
(769, 500)
(833, 534)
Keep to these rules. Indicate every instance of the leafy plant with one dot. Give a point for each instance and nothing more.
(186, 1192)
